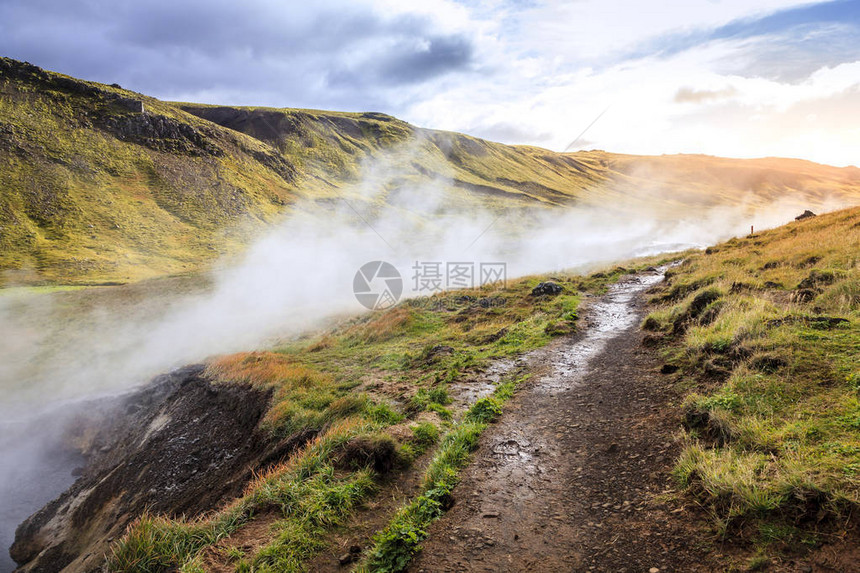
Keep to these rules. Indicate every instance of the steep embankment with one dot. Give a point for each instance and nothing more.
(98, 183)
(181, 445)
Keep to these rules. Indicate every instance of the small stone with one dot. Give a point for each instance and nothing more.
(346, 558)
(654, 570)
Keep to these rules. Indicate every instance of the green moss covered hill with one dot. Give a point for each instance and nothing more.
(98, 183)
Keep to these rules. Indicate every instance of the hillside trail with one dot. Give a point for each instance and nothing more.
(576, 474)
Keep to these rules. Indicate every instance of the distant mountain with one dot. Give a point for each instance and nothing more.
(98, 183)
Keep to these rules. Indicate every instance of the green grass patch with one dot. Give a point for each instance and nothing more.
(396, 545)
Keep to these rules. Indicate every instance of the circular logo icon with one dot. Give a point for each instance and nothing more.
(377, 285)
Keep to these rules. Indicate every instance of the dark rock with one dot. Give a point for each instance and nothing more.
(434, 352)
(827, 322)
(809, 261)
(159, 132)
(668, 369)
(130, 104)
(375, 115)
(346, 558)
(772, 285)
(548, 288)
(805, 215)
(495, 336)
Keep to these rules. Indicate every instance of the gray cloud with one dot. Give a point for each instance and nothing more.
(329, 53)
(793, 58)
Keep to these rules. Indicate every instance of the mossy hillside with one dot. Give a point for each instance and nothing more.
(766, 331)
(77, 200)
(94, 190)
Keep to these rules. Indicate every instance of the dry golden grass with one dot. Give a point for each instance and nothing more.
(773, 352)
(264, 370)
(383, 326)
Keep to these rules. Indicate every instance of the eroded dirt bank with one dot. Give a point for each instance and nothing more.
(573, 477)
(181, 445)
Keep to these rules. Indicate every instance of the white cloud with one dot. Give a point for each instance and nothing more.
(543, 94)
(532, 72)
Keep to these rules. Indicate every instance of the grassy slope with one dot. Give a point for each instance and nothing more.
(377, 389)
(766, 331)
(92, 190)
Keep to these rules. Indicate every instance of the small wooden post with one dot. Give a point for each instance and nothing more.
(751, 230)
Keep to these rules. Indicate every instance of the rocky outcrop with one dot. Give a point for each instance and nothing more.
(547, 288)
(159, 132)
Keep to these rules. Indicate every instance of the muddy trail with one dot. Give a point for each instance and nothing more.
(575, 476)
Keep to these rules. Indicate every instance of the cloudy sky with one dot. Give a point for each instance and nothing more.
(724, 77)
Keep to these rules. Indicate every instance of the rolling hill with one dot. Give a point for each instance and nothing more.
(99, 184)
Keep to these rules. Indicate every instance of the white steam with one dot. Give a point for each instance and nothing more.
(302, 271)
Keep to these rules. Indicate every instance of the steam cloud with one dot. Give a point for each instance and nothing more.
(302, 271)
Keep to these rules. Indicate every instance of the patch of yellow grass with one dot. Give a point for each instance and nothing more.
(263, 370)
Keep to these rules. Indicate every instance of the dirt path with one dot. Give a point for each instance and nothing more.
(575, 475)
